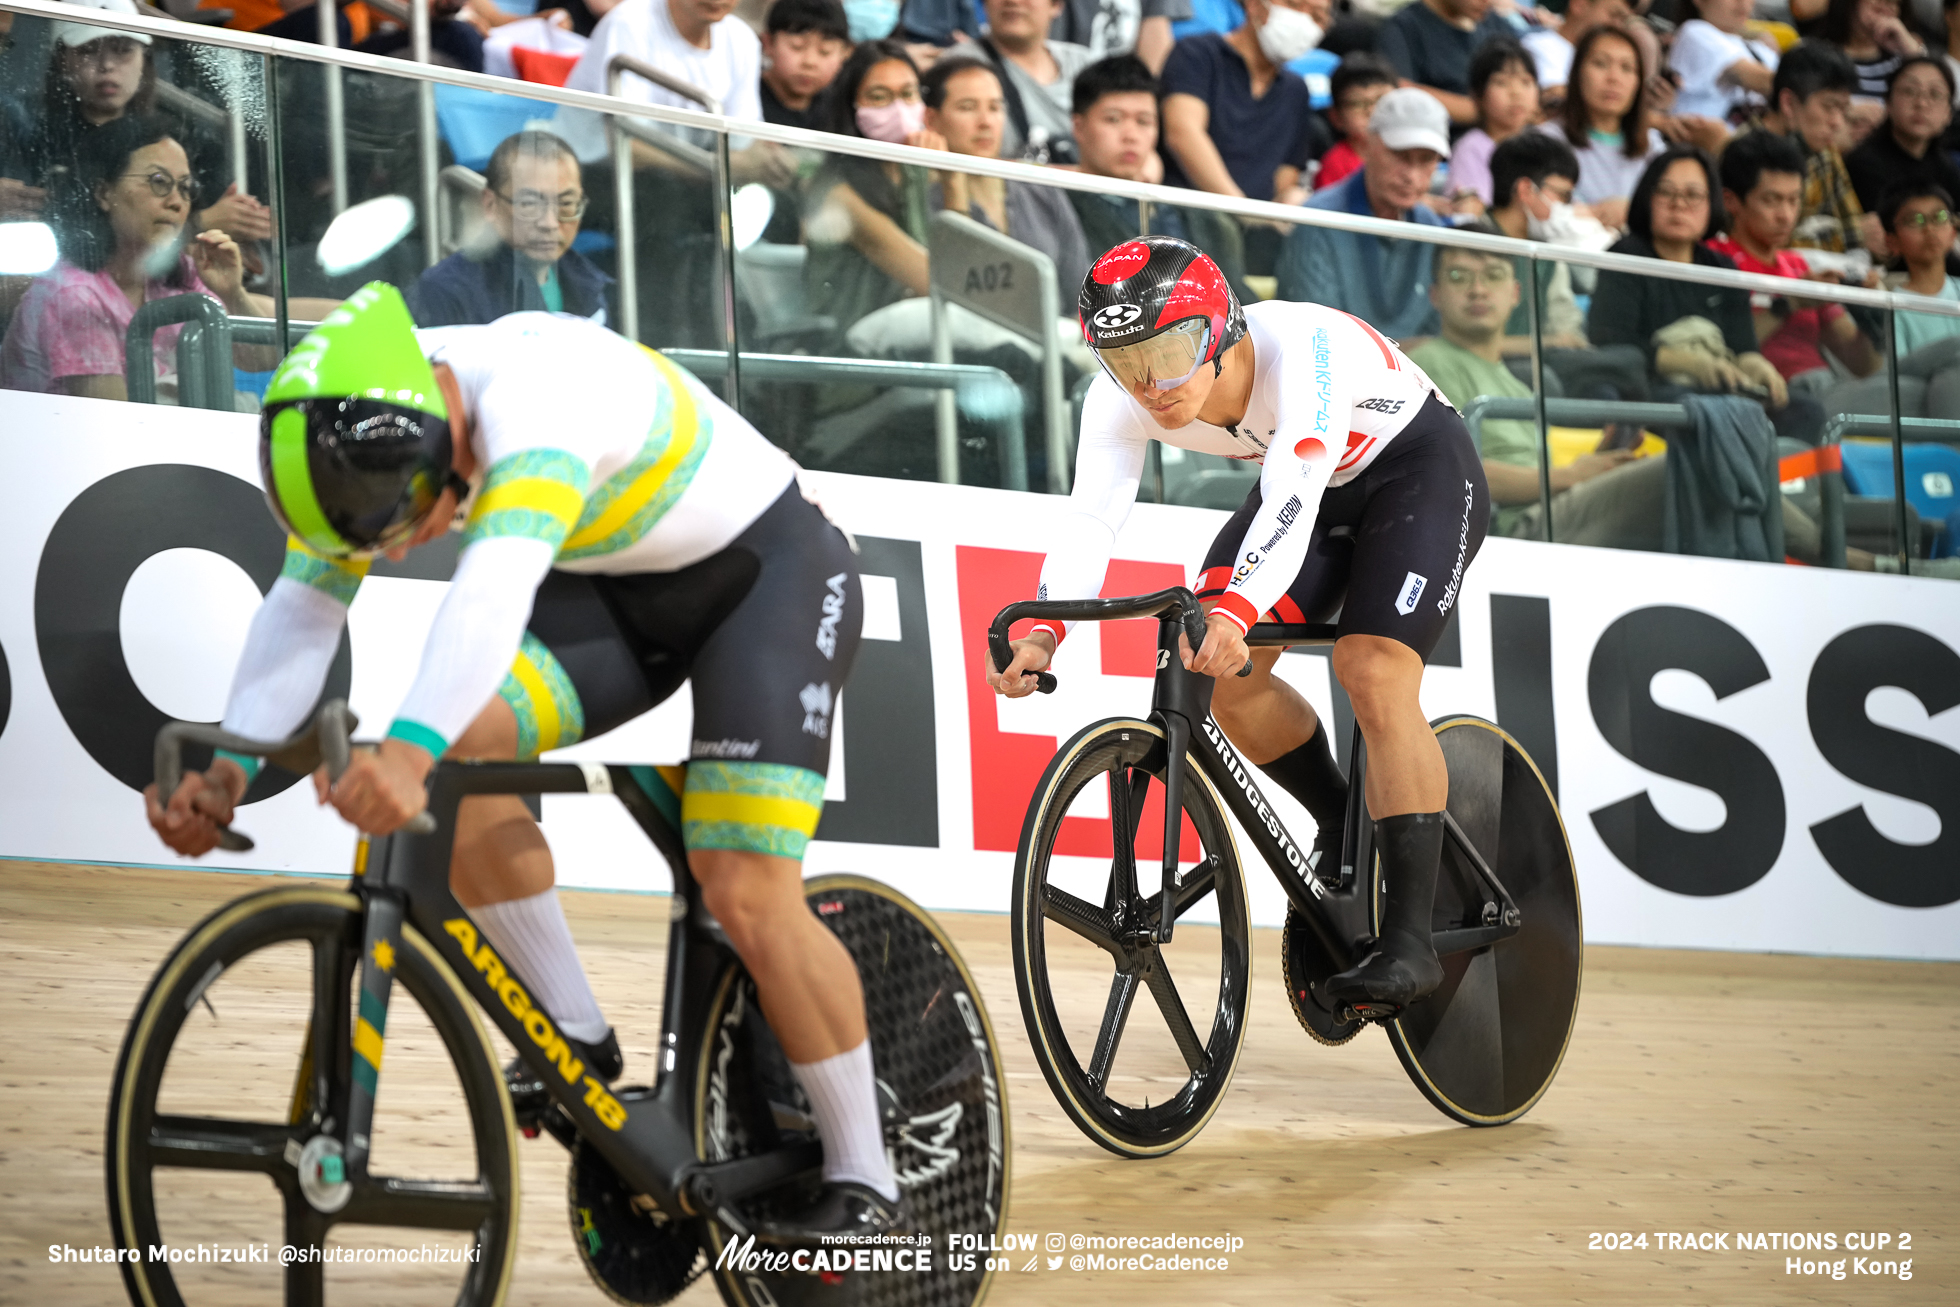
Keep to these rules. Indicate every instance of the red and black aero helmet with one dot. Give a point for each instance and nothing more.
(1155, 310)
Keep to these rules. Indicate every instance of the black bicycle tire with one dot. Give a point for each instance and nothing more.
(1429, 1079)
(420, 971)
(1099, 1119)
(732, 982)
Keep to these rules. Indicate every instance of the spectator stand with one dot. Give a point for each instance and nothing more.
(1012, 286)
(1917, 471)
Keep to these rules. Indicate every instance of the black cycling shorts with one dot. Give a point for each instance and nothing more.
(767, 629)
(1390, 547)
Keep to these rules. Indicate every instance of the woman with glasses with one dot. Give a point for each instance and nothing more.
(1906, 146)
(127, 208)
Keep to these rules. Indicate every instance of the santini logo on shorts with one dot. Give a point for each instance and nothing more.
(1411, 593)
(1115, 317)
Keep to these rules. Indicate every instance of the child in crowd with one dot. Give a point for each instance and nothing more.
(1504, 83)
(1360, 81)
(804, 43)
(1918, 218)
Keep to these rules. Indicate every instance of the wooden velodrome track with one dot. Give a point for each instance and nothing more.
(1703, 1092)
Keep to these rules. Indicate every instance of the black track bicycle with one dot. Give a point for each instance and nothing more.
(665, 1180)
(1483, 1048)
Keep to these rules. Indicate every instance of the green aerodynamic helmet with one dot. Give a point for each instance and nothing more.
(354, 443)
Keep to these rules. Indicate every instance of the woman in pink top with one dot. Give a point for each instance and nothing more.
(121, 229)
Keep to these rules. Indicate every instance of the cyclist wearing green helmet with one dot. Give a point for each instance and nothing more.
(623, 531)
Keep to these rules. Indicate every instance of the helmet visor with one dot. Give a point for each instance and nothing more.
(1164, 362)
(353, 477)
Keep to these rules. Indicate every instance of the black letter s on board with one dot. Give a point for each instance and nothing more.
(1849, 669)
(1743, 849)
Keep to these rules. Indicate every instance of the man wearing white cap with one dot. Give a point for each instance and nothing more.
(1384, 282)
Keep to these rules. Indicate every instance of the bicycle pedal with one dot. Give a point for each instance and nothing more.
(1380, 1013)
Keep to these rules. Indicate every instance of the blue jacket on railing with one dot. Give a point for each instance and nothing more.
(1383, 282)
(464, 288)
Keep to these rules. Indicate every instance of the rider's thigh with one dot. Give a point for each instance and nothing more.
(1380, 675)
(753, 895)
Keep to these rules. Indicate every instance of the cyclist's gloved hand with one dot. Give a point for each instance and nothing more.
(1224, 652)
(381, 788)
(203, 801)
(1030, 656)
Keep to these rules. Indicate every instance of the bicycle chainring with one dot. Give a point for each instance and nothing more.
(1305, 964)
(632, 1250)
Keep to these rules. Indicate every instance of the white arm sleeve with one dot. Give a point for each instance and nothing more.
(287, 653)
(1313, 411)
(1108, 469)
(476, 633)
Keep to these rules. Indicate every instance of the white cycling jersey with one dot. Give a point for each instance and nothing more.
(593, 454)
(1329, 393)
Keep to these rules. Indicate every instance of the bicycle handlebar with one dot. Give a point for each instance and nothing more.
(1190, 612)
(327, 739)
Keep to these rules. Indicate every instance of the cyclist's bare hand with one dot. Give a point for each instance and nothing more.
(1030, 656)
(1224, 652)
(381, 788)
(203, 801)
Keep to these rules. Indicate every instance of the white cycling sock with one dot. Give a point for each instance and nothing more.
(843, 1094)
(532, 935)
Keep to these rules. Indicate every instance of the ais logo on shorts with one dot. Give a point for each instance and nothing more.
(1411, 593)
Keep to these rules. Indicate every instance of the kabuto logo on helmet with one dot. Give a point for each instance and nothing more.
(1115, 317)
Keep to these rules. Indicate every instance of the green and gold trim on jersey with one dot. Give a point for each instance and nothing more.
(752, 807)
(336, 578)
(623, 508)
(534, 494)
(541, 696)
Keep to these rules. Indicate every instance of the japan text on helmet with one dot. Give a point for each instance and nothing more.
(354, 443)
(1157, 309)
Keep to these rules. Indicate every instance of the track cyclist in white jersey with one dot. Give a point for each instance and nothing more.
(1370, 504)
(623, 531)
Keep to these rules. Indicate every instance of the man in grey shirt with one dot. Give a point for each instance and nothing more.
(1037, 75)
(1109, 27)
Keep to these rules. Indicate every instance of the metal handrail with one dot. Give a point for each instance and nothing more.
(203, 374)
(425, 113)
(966, 381)
(1062, 179)
(327, 15)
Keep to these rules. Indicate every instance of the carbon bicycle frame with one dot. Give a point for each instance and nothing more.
(648, 1140)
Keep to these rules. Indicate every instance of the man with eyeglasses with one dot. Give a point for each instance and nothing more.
(532, 204)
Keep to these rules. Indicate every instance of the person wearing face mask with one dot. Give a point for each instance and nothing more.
(1236, 122)
(1431, 43)
(1532, 176)
(1383, 282)
(864, 220)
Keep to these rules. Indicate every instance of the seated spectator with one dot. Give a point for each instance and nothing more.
(804, 43)
(1533, 178)
(1431, 43)
(1383, 282)
(1603, 498)
(1116, 132)
(1605, 122)
(122, 218)
(964, 105)
(533, 201)
(1551, 48)
(1356, 88)
(1905, 146)
(1762, 190)
(1037, 76)
(1708, 338)
(1113, 27)
(1918, 220)
(1808, 104)
(97, 76)
(865, 220)
(1877, 36)
(1504, 87)
(1235, 121)
(1725, 74)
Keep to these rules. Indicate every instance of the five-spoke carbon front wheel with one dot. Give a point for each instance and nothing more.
(1137, 1037)
(222, 1139)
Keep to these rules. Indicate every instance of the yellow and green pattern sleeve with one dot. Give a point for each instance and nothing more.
(753, 807)
(534, 494)
(336, 578)
(631, 502)
(544, 701)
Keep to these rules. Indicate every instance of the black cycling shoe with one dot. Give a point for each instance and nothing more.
(841, 1208)
(1402, 968)
(529, 1099)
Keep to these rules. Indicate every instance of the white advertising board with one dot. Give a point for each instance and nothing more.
(1748, 757)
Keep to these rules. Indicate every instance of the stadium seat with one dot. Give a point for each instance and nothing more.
(473, 122)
